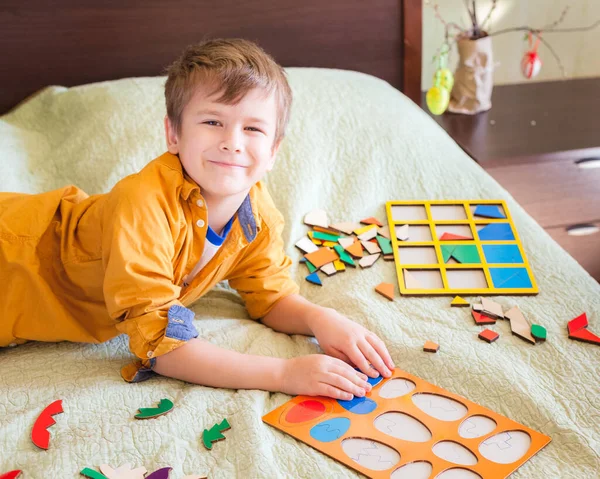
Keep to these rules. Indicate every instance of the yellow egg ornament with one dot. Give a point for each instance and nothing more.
(437, 99)
(444, 78)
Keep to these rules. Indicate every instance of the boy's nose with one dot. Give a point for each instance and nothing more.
(231, 142)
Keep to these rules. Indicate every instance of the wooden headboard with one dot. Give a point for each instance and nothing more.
(73, 42)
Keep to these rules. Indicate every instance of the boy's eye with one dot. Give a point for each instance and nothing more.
(251, 128)
(211, 122)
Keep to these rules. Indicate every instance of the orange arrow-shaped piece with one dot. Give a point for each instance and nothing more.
(40, 435)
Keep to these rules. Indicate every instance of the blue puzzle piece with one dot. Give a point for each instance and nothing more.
(330, 430)
(504, 278)
(502, 253)
(496, 232)
(358, 405)
(488, 211)
(314, 279)
(372, 381)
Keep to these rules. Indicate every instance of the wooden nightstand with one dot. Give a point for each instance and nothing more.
(541, 142)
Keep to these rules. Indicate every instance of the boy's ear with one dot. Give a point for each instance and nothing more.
(171, 137)
(274, 151)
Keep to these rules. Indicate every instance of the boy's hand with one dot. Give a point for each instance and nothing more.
(321, 375)
(346, 340)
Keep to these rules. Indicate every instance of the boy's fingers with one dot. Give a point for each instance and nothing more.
(356, 377)
(336, 353)
(361, 362)
(333, 392)
(374, 358)
(379, 346)
(340, 382)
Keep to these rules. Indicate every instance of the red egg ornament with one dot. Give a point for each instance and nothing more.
(531, 63)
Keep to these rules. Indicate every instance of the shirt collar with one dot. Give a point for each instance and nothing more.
(247, 213)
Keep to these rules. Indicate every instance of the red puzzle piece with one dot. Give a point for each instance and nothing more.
(11, 475)
(452, 236)
(482, 318)
(39, 434)
(578, 323)
(488, 335)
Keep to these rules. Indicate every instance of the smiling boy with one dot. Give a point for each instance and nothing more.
(87, 268)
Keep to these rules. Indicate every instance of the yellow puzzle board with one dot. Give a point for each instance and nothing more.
(407, 428)
(422, 263)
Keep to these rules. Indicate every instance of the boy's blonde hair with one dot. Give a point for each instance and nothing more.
(234, 66)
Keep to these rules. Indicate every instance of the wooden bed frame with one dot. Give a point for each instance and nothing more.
(73, 42)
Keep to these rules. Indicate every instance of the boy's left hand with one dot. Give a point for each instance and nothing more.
(344, 339)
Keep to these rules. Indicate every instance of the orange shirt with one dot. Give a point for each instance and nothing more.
(85, 268)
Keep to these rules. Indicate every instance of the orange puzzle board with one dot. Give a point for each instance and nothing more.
(406, 427)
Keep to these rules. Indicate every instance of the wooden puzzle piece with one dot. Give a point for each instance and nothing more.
(578, 330)
(329, 244)
(329, 230)
(371, 247)
(386, 290)
(123, 472)
(519, 325)
(538, 332)
(368, 261)
(459, 302)
(344, 256)
(388, 257)
(411, 282)
(466, 254)
(314, 279)
(339, 265)
(11, 475)
(306, 245)
(491, 308)
(369, 234)
(313, 239)
(364, 229)
(502, 254)
(322, 256)
(453, 237)
(214, 434)
(40, 434)
(431, 347)
(477, 307)
(325, 236)
(164, 406)
(385, 244)
(160, 473)
(403, 233)
(346, 228)
(482, 318)
(87, 472)
(488, 211)
(311, 267)
(329, 269)
(371, 221)
(355, 249)
(488, 335)
(317, 218)
(345, 242)
(496, 232)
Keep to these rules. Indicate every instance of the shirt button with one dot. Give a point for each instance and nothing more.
(150, 354)
(200, 223)
(200, 203)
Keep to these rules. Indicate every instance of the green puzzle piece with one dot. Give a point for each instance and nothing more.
(325, 236)
(164, 407)
(343, 254)
(214, 434)
(87, 472)
(465, 254)
(310, 266)
(385, 244)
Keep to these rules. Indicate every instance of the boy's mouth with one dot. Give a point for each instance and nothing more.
(224, 164)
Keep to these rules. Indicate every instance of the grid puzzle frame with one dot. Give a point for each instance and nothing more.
(437, 244)
(409, 452)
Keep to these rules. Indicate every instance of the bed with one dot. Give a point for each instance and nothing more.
(354, 142)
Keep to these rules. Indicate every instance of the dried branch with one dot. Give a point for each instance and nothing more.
(554, 54)
(492, 8)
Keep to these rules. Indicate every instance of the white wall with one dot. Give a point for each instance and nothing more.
(579, 51)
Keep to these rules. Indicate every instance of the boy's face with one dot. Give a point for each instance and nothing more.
(226, 149)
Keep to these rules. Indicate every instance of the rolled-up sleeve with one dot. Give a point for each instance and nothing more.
(262, 276)
(139, 290)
